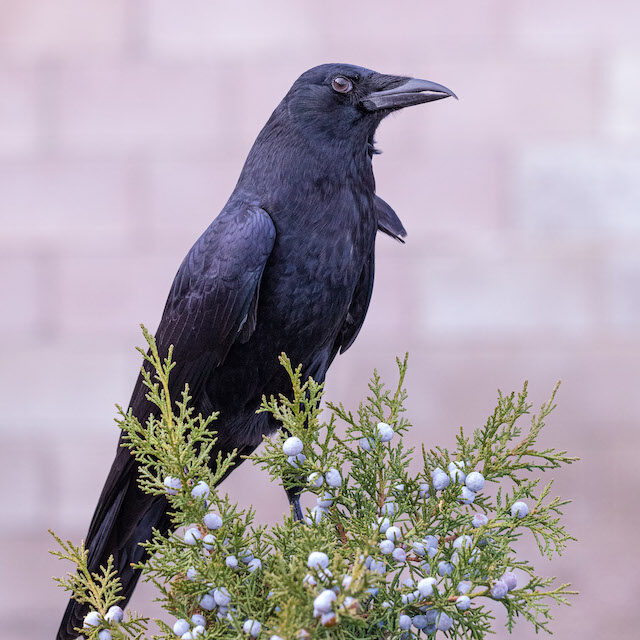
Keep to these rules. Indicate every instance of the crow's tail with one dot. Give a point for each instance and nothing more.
(123, 518)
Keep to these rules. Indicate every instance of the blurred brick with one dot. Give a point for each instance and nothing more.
(622, 285)
(432, 189)
(18, 111)
(141, 107)
(453, 382)
(110, 293)
(33, 30)
(201, 28)
(574, 25)
(598, 384)
(86, 457)
(415, 27)
(23, 499)
(21, 284)
(83, 381)
(186, 194)
(509, 97)
(33, 609)
(508, 289)
(579, 189)
(63, 201)
(622, 96)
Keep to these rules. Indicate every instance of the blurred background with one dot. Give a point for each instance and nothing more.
(123, 128)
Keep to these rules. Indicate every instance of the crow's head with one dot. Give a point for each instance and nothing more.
(342, 100)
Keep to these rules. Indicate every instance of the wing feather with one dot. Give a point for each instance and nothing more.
(388, 221)
(219, 279)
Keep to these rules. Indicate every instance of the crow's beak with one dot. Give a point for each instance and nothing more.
(411, 91)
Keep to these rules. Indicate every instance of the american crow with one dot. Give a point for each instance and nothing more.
(286, 266)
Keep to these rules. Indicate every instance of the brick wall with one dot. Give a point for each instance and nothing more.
(123, 126)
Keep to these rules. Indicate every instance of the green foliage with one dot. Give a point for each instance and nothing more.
(265, 571)
(99, 590)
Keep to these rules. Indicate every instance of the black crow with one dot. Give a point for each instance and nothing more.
(286, 266)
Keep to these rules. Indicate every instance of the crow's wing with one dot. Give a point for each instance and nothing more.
(214, 297)
(215, 286)
(210, 305)
(388, 221)
(359, 305)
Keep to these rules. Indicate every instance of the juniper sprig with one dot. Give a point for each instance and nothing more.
(101, 591)
(384, 553)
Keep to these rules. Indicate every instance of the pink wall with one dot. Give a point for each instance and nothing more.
(123, 126)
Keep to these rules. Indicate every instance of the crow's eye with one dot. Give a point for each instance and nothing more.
(341, 84)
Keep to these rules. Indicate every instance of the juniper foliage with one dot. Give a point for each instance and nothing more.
(254, 581)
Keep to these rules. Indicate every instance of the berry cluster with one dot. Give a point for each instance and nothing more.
(111, 618)
(326, 603)
(190, 629)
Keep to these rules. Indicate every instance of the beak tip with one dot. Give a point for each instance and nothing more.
(447, 92)
(409, 92)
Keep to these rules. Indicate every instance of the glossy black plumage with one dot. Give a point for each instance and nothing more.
(288, 265)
